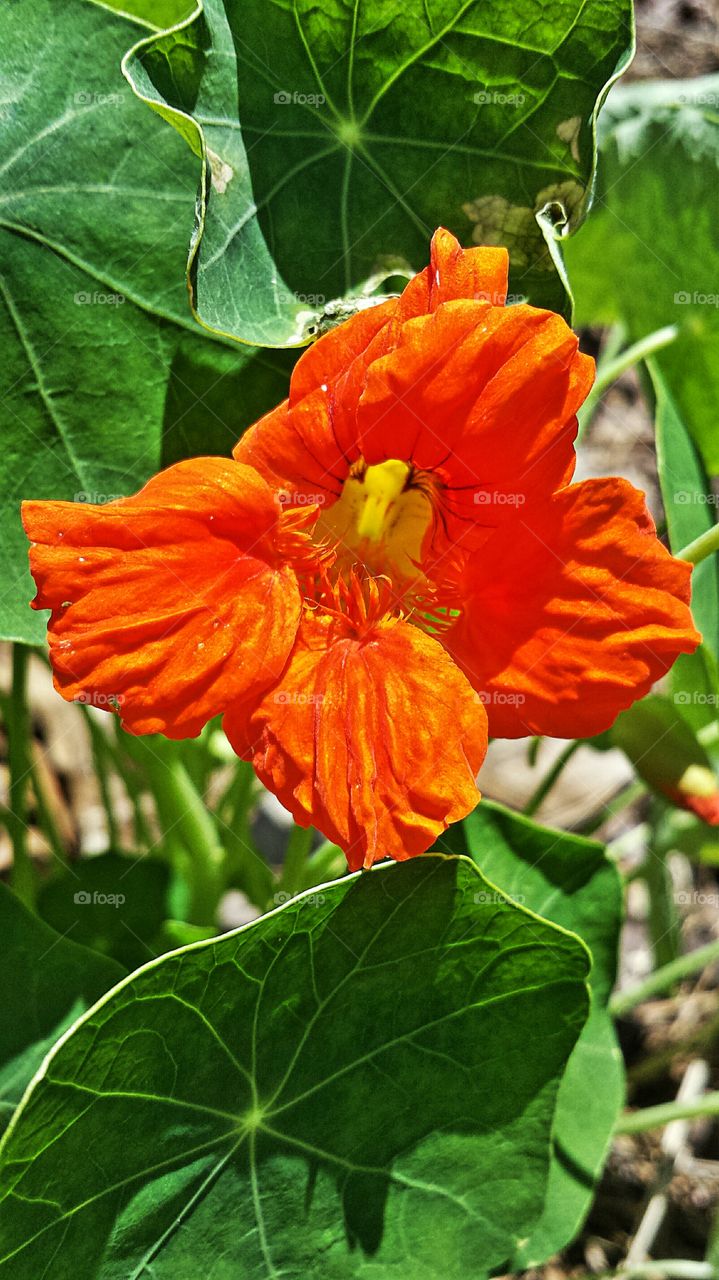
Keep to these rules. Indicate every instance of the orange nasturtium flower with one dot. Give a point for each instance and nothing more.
(394, 563)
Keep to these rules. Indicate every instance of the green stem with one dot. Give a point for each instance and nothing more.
(705, 545)
(622, 800)
(182, 812)
(663, 1114)
(612, 366)
(550, 778)
(23, 872)
(102, 757)
(665, 978)
(671, 1269)
(46, 818)
(299, 847)
(326, 863)
(127, 770)
(246, 868)
(664, 925)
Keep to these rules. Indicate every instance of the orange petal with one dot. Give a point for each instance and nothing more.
(479, 273)
(168, 605)
(483, 397)
(375, 739)
(486, 394)
(308, 443)
(572, 612)
(294, 445)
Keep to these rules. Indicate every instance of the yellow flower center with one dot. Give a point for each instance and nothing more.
(380, 520)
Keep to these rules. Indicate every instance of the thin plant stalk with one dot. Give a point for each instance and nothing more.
(705, 545)
(102, 760)
(18, 725)
(613, 364)
(664, 979)
(299, 847)
(666, 1112)
(183, 813)
(551, 778)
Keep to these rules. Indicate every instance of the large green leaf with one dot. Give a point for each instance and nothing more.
(569, 880)
(690, 506)
(95, 211)
(335, 137)
(113, 903)
(46, 982)
(361, 1083)
(213, 395)
(646, 256)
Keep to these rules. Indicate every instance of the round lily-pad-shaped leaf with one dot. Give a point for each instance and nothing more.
(104, 374)
(361, 1083)
(336, 137)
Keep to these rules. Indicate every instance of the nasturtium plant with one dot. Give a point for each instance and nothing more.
(353, 583)
(291, 399)
(354, 1063)
(334, 139)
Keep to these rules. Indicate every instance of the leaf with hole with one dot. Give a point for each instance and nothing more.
(335, 138)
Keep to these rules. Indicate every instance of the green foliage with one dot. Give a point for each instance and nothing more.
(336, 137)
(570, 881)
(114, 904)
(691, 510)
(46, 982)
(101, 358)
(342, 1088)
(646, 255)
(660, 741)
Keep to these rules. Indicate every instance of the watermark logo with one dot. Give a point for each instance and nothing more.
(698, 99)
(696, 299)
(97, 299)
(687, 497)
(497, 299)
(293, 498)
(98, 499)
(312, 899)
(696, 698)
(84, 899)
(291, 697)
(295, 98)
(491, 498)
(696, 898)
(86, 99)
(94, 699)
(490, 97)
(494, 898)
(500, 698)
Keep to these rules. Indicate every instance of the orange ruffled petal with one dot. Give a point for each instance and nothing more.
(375, 739)
(168, 605)
(446, 378)
(480, 273)
(572, 612)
